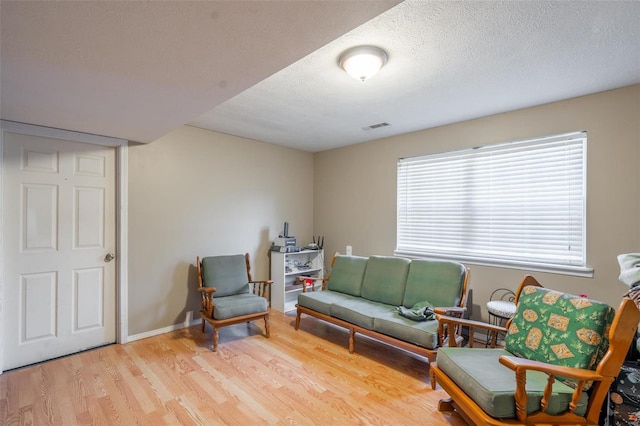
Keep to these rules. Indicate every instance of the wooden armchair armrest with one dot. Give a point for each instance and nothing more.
(516, 364)
(303, 280)
(520, 367)
(265, 282)
(261, 287)
(206, 299)
(454, 323)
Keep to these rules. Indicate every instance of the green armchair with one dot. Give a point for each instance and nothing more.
(228, 294)
(561, 354)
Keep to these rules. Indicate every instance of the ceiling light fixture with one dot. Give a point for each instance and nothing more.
(362, 62)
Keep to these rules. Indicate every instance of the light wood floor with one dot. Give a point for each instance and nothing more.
(304, 377)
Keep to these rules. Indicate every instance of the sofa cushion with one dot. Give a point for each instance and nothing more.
(439, 282)
(237, 305)
(423, 333)
(559, 328)
(228, 274)
(359, 311)
(478, 372)
(346, 274)
(385, 279)
(320, 301)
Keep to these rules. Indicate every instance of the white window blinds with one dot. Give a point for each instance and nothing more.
(515, 203)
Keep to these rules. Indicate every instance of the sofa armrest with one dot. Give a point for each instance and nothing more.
(303, 280)
(521, 365)
(452, 311)
(453, 325)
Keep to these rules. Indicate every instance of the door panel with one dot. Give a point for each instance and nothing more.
(59, 223)
(89, 218)
(37, 306)
(40, 217)
(89, 289)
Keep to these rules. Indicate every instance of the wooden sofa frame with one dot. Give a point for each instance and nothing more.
(430, 354)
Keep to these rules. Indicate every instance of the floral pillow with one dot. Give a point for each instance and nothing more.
(559, 328)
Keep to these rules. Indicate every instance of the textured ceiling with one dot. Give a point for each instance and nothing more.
(267, 70)
(137, 70)
(448, 62)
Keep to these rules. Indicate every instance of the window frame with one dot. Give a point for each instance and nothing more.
(572, 265)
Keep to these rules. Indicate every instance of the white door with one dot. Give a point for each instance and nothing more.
(59, 234)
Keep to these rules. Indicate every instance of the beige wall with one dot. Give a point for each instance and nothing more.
(195, 192)
(355, 187)
(198, 193)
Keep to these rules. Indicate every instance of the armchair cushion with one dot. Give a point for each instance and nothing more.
(559, 328)
(228, 274)
(478, 372)
(238, 305)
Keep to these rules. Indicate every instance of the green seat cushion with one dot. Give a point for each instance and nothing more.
(346, 274)
(559, 328)
(321, 301)
(385, 279)
(237, 305)
(479, 374)
(438, 282)
(228, 274)
(359, 311)
(421, 333)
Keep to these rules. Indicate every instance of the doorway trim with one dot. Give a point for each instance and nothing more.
(122, 215)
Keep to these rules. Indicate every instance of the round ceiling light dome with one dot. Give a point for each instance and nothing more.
(363, 62)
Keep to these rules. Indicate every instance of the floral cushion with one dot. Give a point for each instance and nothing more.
(559, 328)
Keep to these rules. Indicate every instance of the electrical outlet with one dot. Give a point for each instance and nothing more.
(349, 250)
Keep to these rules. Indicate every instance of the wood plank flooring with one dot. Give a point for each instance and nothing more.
(304, 377)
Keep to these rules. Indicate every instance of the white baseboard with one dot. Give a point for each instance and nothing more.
(163, 330)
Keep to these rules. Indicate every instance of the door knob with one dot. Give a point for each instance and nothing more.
(109, 257)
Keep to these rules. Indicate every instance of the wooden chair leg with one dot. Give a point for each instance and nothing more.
(298, 320)
(266, 326)
(216, 338)
(432, 373)
(446, 405)
(202, 325)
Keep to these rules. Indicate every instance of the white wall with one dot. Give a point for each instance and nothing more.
(199, 193)
(355, 187)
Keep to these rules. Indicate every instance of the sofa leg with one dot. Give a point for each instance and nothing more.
(432, 373)
(352, 340)
(446, 405)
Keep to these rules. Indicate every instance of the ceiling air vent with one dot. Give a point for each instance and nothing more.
(376, 126)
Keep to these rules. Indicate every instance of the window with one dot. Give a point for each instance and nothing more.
(519, 204)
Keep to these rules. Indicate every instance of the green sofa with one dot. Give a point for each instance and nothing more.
(368, 295)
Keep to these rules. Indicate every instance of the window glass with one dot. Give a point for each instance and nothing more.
(519, 203)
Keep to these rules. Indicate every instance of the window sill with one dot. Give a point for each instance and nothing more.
(578, 271)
